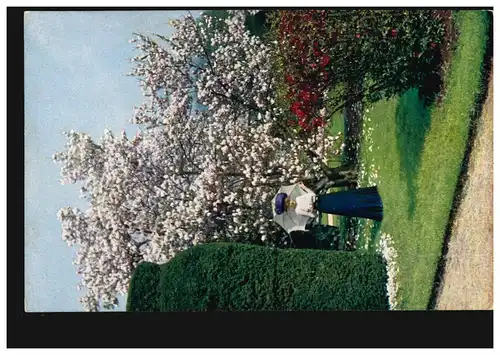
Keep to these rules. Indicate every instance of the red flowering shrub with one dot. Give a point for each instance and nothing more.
(365, 55)
(307, 64)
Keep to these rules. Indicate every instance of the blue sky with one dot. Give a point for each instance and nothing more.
(75, 78)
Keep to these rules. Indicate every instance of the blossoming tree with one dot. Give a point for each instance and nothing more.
(204, 167)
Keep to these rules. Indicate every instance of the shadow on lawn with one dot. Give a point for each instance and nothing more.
(412, 125)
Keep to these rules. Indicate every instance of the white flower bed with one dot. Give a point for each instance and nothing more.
(386, 248)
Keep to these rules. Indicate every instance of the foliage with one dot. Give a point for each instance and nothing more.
(237, 277)
(319, 236)
(321, 280)
(304, 75)
(365, 55)
(144, 293)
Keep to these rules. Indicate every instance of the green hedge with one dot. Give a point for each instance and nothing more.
(240, 277)
(143, 293)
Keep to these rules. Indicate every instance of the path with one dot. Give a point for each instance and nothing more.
(468, 278)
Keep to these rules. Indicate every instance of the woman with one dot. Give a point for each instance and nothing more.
(363, 202)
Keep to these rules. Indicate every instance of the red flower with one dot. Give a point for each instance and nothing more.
(319, 122)
(303, 124)
(358, 35)
(325, 59)
(433, 44)
(394, 32)
(300, 113)
(289, 79)
(295, 107)
(416, 54)
(305, 95)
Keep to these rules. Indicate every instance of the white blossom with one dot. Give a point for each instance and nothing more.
(192, 175)
(388, 251)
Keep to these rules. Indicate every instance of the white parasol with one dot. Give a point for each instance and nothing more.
(289, 220)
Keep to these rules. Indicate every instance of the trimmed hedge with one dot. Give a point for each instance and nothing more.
(241, 277)
(143, 293)
(316, 280)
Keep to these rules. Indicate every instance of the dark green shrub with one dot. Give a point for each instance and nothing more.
(240, 277)
(219, 276)
(316, 280)
(319, 236)
(143, 295)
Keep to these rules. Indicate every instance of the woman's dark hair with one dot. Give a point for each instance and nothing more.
(280, 202)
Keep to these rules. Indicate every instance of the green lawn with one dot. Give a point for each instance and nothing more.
(414, 155)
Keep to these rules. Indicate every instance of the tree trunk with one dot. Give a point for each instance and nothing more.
(344, 172)
(324, 184)
(338, 183)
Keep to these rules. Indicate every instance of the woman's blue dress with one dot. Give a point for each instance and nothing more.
(364, 202)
